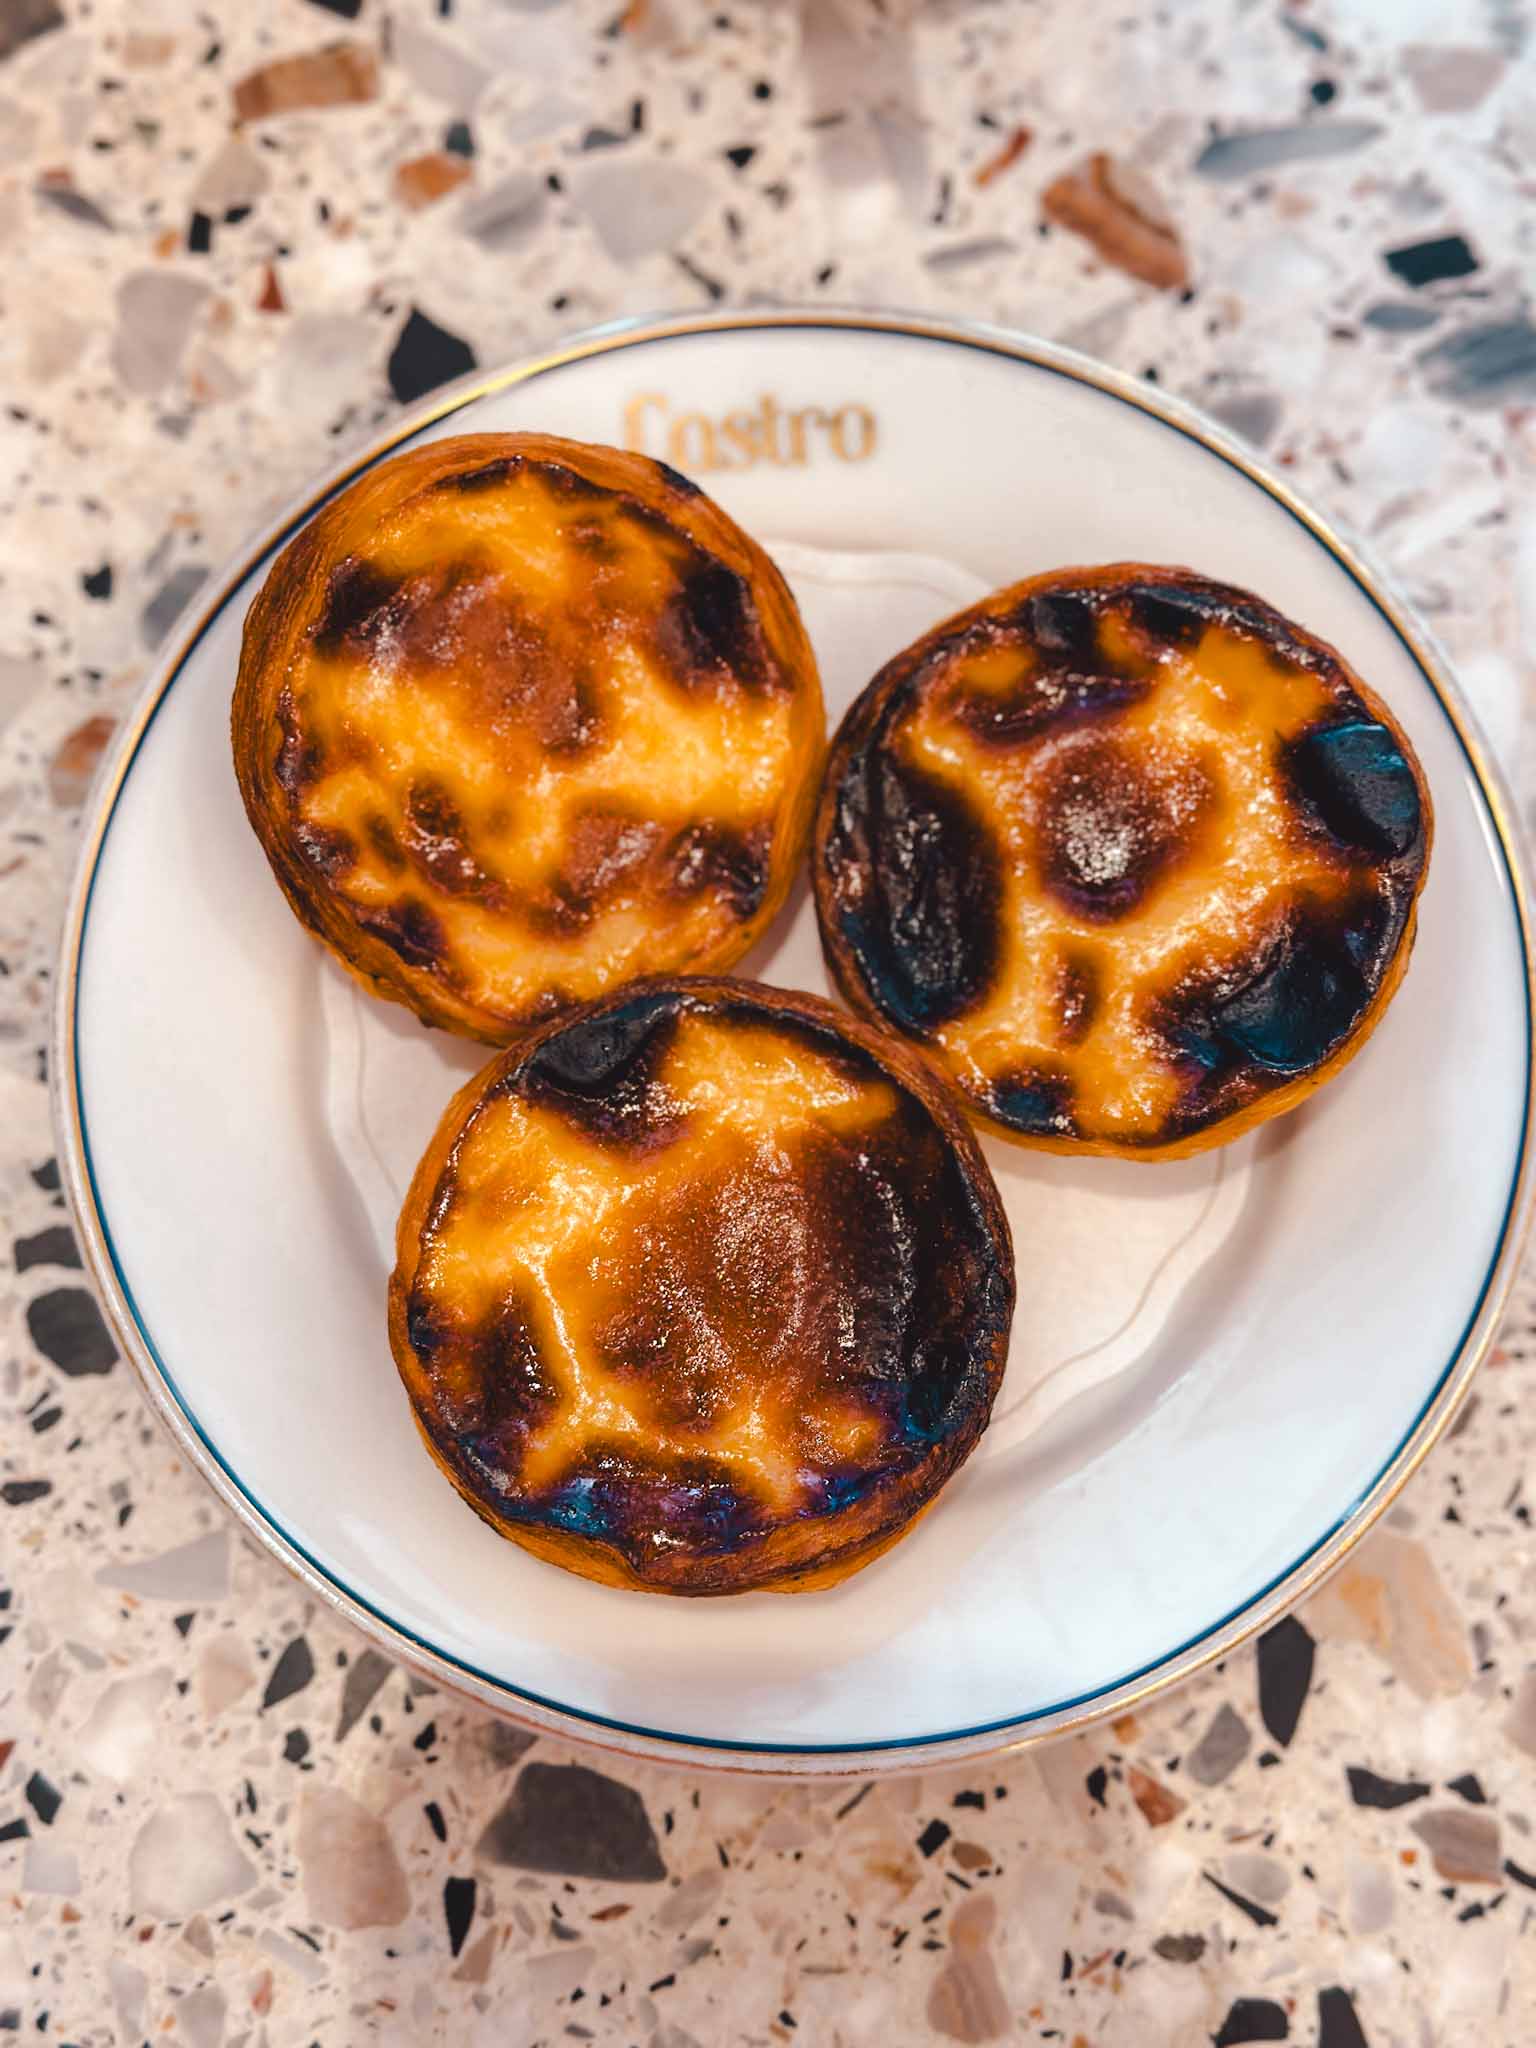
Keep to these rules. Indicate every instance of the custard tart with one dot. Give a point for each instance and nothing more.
(704, 1289)
(516, 716)
(1135, 859)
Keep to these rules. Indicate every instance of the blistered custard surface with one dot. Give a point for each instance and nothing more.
(532, 717)
(1125, 849)
(696, 1272)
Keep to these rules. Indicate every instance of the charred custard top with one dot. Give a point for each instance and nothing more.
(1125, 848)
(532, 732)
(697, 1269)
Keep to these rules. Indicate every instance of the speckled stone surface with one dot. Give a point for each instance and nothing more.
(232, 238)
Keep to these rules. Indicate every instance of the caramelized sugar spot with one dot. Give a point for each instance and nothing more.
(1076, 995)
(920, 878)
(1112, 820)
(408, 927)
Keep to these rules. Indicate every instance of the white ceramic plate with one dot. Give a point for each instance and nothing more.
(1222, 1369)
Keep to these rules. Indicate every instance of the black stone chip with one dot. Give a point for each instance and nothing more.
(1366, 1789)
(569, 1821)
(1252, 2019)
(1422, 263)
(424, 356)
(43, 1798)
(67, 1328)
(458, 1909)
(1338, 2024)
(1286, 1654)
(54, 1246)
(16, 1493)
(290, 1674)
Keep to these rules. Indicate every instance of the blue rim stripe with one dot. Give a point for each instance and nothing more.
(1017, 1722)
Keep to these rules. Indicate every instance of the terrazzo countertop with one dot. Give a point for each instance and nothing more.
(234, 238)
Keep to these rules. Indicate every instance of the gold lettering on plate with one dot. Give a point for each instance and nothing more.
(770, 432)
